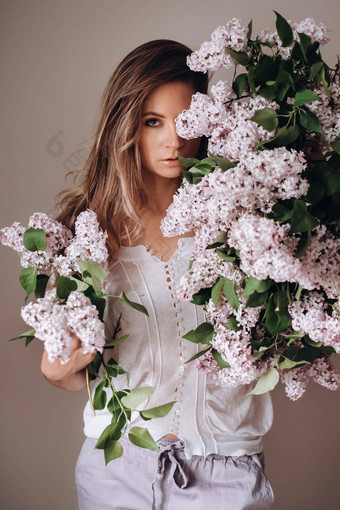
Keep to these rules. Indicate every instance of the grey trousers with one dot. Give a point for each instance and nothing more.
(165, 480)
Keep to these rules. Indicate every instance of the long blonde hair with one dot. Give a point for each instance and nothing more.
(111, 177)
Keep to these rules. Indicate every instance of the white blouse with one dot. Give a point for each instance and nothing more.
(207, 417)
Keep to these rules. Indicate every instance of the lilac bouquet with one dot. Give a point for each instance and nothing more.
(67, 274)
(266, 258)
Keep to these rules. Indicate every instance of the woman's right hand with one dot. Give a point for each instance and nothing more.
(71, 375)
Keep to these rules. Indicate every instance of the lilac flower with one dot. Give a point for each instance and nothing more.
(328, 113)
(89, 243)
(309, 316)
(295, 382)
(49, 320)
(213, 54)
(54, 322)
(57, 237)
(317, 32)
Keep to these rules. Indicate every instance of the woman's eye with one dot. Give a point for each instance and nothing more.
(152, 122)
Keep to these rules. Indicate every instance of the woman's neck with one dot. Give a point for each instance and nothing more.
(160, 192)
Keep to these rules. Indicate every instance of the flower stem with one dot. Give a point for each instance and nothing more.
(89, 390)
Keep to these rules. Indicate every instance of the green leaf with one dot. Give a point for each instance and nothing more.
(315, 69)
(281, 300)
(267, 382)
(93, 268)
(239, 57)
(29, 335)
(312, 343)
(113, 450)
(201, 297)
(198, 354)
(232, 324)
(284, 136)
(239, 84)
(267, 118)
(218, 241)
(216, 290)
(298, 292)
(157, 412)
(250, 28)
(230, 293)
(225, 256)
(35, 239)
(111, 343)
(188, 162)
(28, 279)
(294, 336)
(100, 396)
(281, 213)
(315, 193)
(141, 437)
(251, 79)
(65, 286)
(254, 285)
(265, 70)
(310, 121)
(284, 30)
(268, 92)
(336, 146)
(219, 360)
(304, 242)
(324, 82)
(257, 299)
(42, 281)
(222, 163)
(302, 220)
(305, 42)
(278, 321)
(289, 363)
(201, 335)
(111, 433)
(136, 397)
(132, 304)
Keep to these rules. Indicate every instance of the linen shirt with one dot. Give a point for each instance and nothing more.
(207, 417)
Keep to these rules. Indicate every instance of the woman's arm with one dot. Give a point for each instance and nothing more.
(70, 376)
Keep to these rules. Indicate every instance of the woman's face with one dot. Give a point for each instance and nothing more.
(159, 143)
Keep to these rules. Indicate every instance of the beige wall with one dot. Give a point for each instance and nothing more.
(56, 57)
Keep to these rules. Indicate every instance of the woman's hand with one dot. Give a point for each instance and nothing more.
(70, 376)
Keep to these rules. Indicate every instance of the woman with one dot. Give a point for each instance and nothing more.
(211, 441)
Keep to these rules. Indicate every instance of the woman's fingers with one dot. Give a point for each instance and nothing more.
(57, 371)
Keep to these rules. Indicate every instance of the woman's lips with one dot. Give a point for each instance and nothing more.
(170, 162)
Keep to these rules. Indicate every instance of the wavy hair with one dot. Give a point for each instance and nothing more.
(111, 177)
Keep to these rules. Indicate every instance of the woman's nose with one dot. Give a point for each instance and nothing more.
(172, 137)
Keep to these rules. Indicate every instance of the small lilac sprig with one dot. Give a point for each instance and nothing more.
(67, 275)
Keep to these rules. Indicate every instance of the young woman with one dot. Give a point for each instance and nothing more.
(211, 441)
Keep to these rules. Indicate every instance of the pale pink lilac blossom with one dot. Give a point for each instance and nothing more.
(320, 265)
(57, 238)
(201, 118)
(213, 54)
(54, 322)
(317, 32)
(310, 316)
(89, 243)
(222, 92)
(328, 113)
(320, 371)
(232, 133)
(221, 198)
(205, 270)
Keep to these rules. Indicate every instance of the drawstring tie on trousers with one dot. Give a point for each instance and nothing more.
(168, 455)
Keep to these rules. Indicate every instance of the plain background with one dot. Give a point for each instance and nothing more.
(56, 57)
